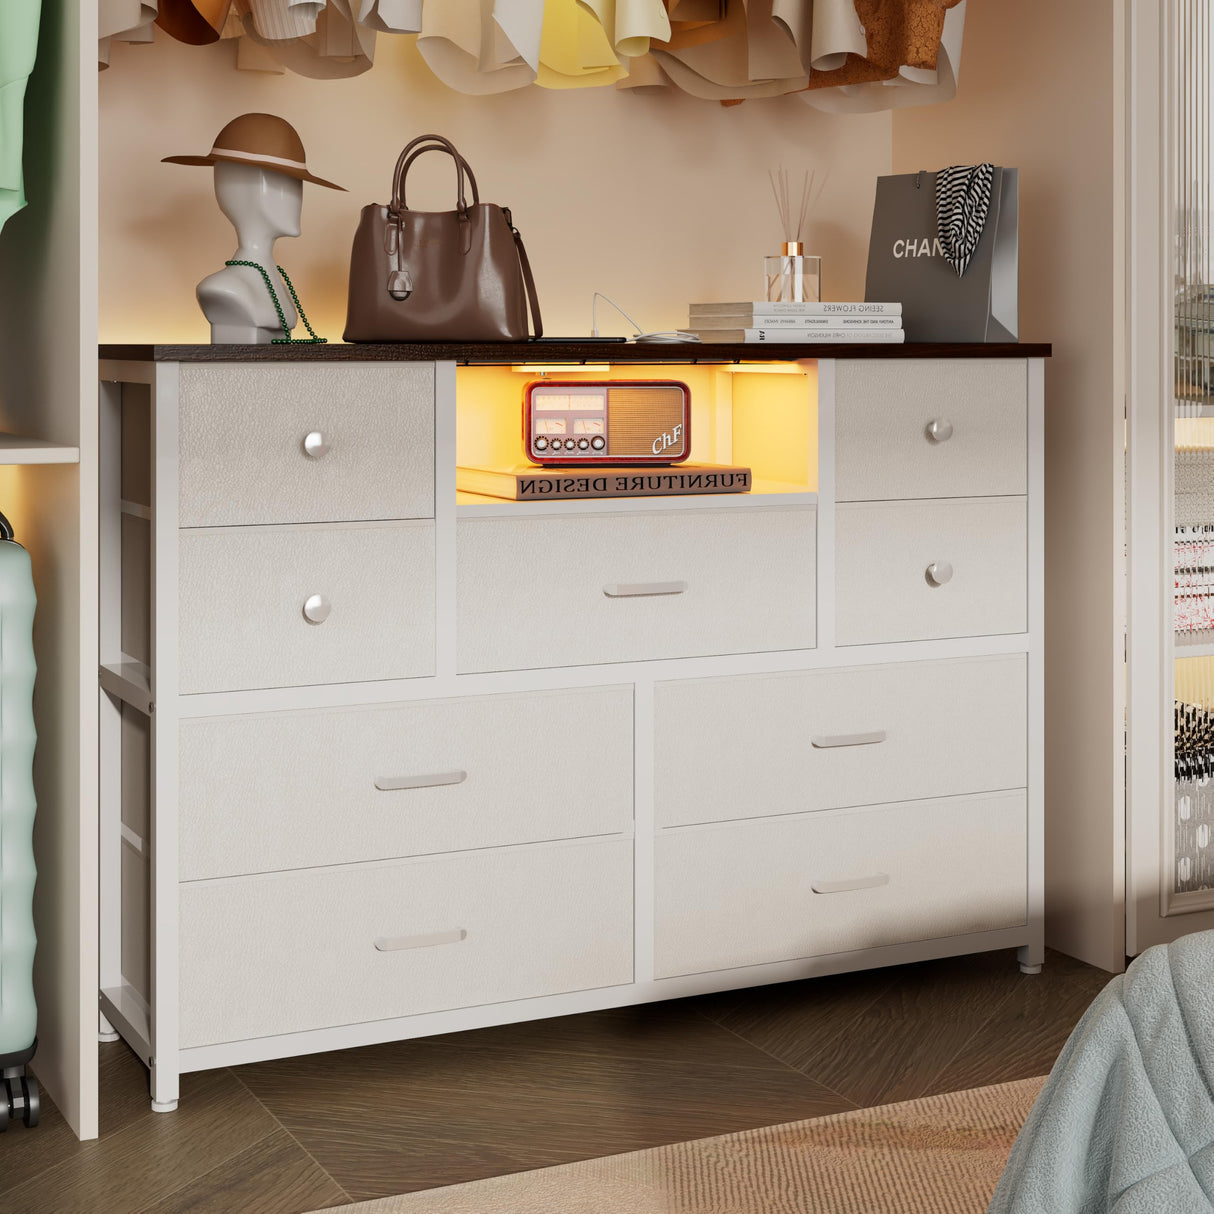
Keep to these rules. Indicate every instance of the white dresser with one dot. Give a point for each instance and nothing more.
(381, 760)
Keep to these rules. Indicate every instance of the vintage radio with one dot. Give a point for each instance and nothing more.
(607, 422)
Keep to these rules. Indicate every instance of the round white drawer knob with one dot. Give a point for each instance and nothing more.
(940, 430)
(939, 572)
(316, 609)
(314, 445)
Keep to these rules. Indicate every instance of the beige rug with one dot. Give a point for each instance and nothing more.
(939, 1155)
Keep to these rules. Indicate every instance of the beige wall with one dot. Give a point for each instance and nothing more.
(1037, 92)
(656, 200)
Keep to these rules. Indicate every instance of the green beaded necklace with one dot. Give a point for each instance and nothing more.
(288, 340)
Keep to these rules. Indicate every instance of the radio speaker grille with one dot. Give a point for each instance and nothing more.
(638, 415)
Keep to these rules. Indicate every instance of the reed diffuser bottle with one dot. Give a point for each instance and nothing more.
(793, 276)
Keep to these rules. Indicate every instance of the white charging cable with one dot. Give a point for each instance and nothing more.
(667, 335)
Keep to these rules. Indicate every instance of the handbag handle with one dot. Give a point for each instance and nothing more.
(415, 148)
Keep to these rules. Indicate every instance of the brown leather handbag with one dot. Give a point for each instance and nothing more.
(459, 275)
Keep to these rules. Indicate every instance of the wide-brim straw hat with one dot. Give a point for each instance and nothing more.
(196, 22)
(264, 141)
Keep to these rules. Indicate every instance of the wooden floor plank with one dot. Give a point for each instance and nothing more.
(894, 1048)
(123, 1083)
(152, 1156)
(1028, 1031)
(371, 1117)
(274, 1176)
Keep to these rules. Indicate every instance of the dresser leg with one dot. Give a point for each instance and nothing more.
(105, 1030)
(1031, 957)
(165, 1089)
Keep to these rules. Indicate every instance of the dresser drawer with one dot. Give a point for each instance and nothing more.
(580, 589)
(912, 571)
(243, 592)
(346, 945)
(351, 784)
(245, 454)
(953, 428)
(776, 889)
(761, 745)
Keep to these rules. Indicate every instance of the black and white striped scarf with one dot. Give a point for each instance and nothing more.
(963, 195)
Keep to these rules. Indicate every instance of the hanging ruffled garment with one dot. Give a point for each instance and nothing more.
(335, 45)
(18, 47)
(493, 46)
(744, 52)
(123, 21)
(468, 44)
(852, 55)
(912, 57)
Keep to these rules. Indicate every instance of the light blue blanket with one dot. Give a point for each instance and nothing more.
(1125, 1122)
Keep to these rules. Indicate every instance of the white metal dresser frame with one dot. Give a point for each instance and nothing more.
(153, 1032)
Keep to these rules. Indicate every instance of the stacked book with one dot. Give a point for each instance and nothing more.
(797, 322)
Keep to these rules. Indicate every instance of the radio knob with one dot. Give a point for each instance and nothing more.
(541, 443)
(597, 442)
(570, 444)
(583, 444)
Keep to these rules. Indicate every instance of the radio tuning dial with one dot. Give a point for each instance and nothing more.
(597, 442)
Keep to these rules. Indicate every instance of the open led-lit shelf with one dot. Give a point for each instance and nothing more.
(764, 493)
(17, 449)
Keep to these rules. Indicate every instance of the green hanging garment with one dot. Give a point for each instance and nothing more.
(18, 45)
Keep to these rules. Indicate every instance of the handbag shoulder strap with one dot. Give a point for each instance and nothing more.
(533, 301)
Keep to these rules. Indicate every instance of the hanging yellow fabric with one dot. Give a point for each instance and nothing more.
(575, 51)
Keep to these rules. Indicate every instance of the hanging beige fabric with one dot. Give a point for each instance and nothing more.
(339, 47)
(391, 16)
(123, 21)
(913, 58)
(631, 24)
(466, 47)
(752, 56)
(279, 20)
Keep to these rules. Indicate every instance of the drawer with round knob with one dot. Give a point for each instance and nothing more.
(303, 443)
(297, 605)
(914, 571)
(930, 429)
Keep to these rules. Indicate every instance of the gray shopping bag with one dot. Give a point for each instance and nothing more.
(906, 264)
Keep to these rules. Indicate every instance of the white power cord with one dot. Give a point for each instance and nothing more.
(663, 335)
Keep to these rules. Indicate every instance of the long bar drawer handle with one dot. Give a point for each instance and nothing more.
(841, 887)
(392, 783)
(632, 590)
(394, 944)
(828, 742)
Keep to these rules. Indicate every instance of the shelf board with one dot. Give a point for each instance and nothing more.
(1194, 644)
(764, 493)
(17, 449)
(128, 681)
(126, 1010)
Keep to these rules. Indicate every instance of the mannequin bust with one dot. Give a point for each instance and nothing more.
(262, 205)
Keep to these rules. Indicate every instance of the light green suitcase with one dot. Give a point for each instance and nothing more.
(18, 1013)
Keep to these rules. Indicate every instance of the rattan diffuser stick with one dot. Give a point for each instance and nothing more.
(794, 224)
